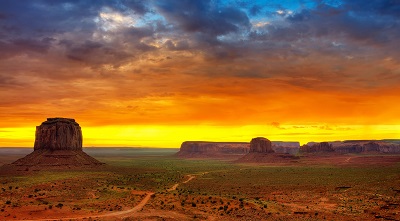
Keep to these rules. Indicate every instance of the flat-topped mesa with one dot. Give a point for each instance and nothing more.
(261, 145)
(317, 147)
(58, 134)
(212, 149)
(352, 146)
(290, 147)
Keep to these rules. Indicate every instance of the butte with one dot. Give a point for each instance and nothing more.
(58, 145)
(261, 151)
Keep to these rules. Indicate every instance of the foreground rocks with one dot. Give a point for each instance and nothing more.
(58, 145)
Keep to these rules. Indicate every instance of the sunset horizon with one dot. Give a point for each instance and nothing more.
(158, 73)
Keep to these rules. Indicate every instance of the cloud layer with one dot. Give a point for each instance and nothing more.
(200, 62)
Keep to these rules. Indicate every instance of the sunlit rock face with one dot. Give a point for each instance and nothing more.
(261, 145)
(58, 134)
(58, 145)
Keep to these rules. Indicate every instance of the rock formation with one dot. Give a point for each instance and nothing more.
(212, 149)
(286, 147)
(233, 149)
(58, 144)
(317, 147)
(366, 146)
(58, 134)
(352, 146)
(262, 151)
(261, 145)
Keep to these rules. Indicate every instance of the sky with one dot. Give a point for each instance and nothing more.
(156, 73)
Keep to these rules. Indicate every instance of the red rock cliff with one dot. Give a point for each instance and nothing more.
(261, 145)
(58, 134)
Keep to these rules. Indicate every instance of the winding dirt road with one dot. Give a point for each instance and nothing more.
(118, 214)
(190, 177)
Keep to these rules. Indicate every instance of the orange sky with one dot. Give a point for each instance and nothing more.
(155, 78)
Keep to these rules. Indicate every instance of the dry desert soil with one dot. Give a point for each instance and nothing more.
(154, 184)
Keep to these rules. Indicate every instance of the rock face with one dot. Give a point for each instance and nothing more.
(263, 150)
(261, 145)
(224, 149)
(58, 134)
(354, 146)
(317, 147)
(212, 149)
(58, 145)
(366, 146)
(286, 147)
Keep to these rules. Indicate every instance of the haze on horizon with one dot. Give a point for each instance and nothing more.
(159, 72)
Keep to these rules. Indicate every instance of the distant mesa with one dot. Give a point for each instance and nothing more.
(193, 149)
(291, 147)
(317, 147)
(58, 145)
(352, 146)
(235, 150)
(213, 149)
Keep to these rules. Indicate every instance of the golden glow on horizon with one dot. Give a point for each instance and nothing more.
(173, 136)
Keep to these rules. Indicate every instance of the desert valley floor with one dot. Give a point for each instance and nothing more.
(155, 184)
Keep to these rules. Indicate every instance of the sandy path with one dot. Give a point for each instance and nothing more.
(119, 214)
(191, 177)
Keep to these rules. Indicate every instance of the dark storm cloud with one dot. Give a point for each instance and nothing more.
(138, 6)
(95, 53)
(363, 25)
(221, 31)
(200, 16)
(17, 46)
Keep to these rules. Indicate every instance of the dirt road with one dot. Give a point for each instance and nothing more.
(118, 214)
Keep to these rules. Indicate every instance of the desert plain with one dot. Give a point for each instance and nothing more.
(156, 184)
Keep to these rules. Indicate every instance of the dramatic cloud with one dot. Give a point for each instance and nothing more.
(228, 62)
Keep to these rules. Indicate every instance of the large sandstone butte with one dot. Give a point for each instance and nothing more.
(263, 150)
(58, 144)
(261, 145)
(58, 134)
